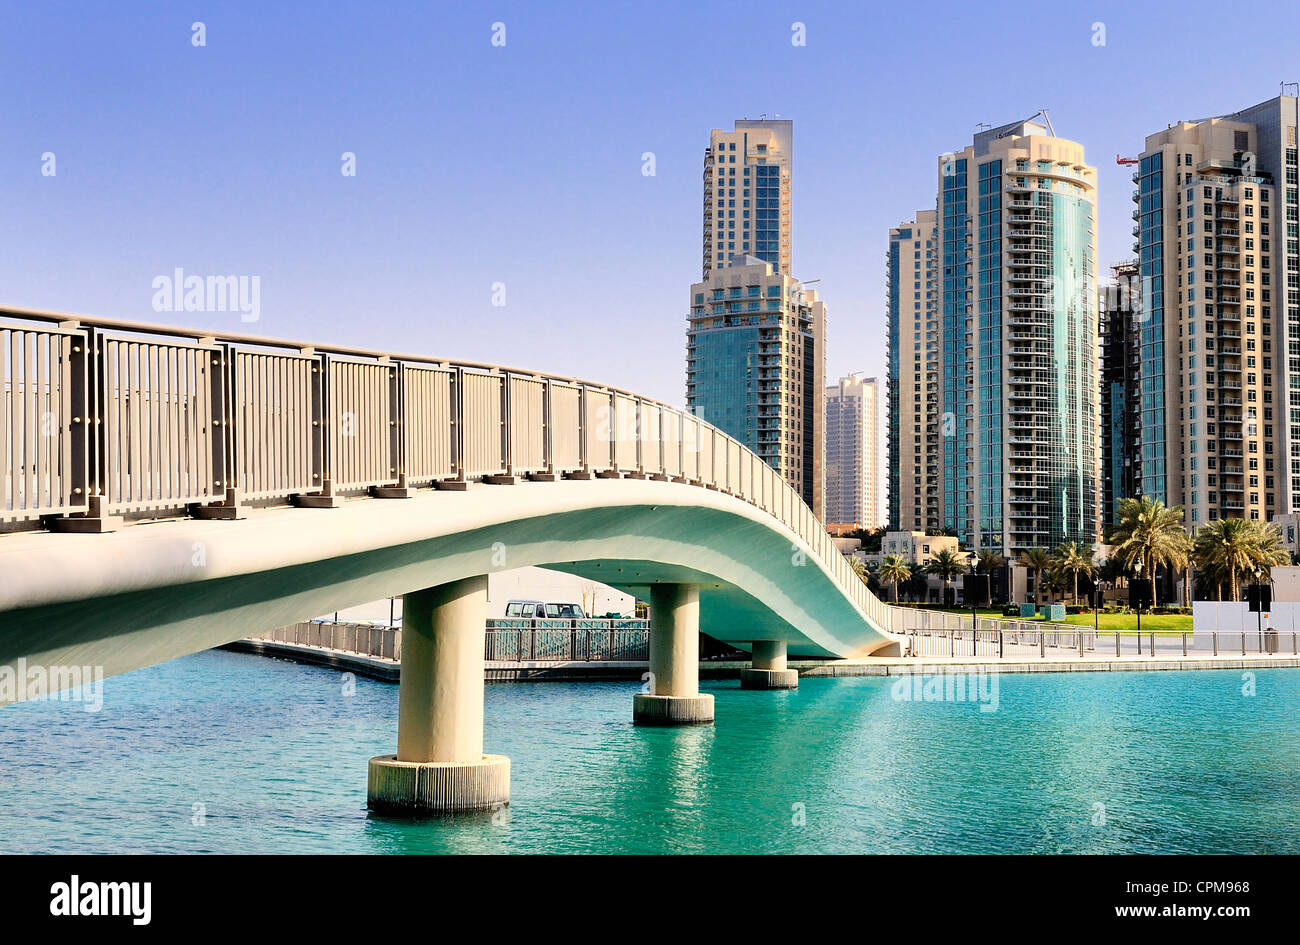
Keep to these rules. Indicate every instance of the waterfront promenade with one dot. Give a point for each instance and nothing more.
(375, 651)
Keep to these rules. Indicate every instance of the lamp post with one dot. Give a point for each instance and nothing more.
(1259, 605)
(1137, 569)
(1096, 601)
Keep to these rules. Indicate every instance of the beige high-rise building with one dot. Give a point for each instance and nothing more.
(747, 194)
(1219, 260)
(853, 452)
(914, 415)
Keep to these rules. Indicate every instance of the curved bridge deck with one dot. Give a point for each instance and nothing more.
(280, 480)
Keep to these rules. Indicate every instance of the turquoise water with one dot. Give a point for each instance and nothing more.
(276, 755)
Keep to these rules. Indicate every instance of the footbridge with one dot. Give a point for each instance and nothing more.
(167, 490)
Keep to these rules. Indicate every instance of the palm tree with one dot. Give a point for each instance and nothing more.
(987, 562)
(1053, 581)
(1271, 551)
(859, 567)
(1209, 574)
(1233, 548)
(1228, 547)
(1152, 534)
(918, 585)
(894, 569)
(1074, 558)
(947, 564)
(1037, 560)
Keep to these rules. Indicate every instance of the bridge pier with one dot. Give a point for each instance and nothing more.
(769, 668)
(440, 767)
(674, 696)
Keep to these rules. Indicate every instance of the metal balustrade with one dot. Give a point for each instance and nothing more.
(103, 418)
(581, 640)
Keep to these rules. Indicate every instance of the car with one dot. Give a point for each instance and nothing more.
(537, 608)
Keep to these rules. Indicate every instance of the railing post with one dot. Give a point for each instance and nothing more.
(458, 423)
(81, 382)
(397, 426)
(1243, 643)
(1117, 642)
(506, 451)
(1184, 643)
(1214, 639)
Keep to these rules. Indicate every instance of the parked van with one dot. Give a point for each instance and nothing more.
(537, 608)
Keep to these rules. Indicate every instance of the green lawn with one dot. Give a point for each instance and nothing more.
(1127, 623)
(1124, 623)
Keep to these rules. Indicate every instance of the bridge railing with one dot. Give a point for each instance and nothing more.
(102, 419)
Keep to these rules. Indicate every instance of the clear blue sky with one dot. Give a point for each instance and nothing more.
(522, 164)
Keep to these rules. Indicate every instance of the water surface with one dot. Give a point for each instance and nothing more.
(234, 753)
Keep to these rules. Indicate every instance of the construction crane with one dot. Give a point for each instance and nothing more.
(1124, 160)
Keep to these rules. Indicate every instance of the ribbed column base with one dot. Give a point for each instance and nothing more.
(413, 789)
(672, 710)
(769, 679)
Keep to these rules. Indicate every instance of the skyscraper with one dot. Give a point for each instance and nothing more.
(1120, 305)
(747, 188)
(914, 416)
(756, 368)
(1016, 356)
(1219, 258)
(756, 355)
(853, 451)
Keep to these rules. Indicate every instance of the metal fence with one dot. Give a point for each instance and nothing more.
(590, 639)
(1007, 640)
(102, 418)
(363, 639)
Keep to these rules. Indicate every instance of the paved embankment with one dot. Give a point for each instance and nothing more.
(580, 671)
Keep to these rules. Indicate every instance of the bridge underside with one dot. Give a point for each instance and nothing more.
(154, 592)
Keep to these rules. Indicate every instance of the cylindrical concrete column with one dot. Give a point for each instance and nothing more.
(769, 669)
(440, 706)
(673, 696)
(440, 766)
(769, 654)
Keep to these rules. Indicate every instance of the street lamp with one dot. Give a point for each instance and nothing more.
(1096, 602)
(1259, 605)
(1137, 569)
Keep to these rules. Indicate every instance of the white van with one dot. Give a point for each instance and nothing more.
(537, 608)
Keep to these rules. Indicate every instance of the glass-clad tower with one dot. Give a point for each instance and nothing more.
(756, 368)
(1017, 230)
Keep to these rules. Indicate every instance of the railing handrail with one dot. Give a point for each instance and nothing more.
(197, 334)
